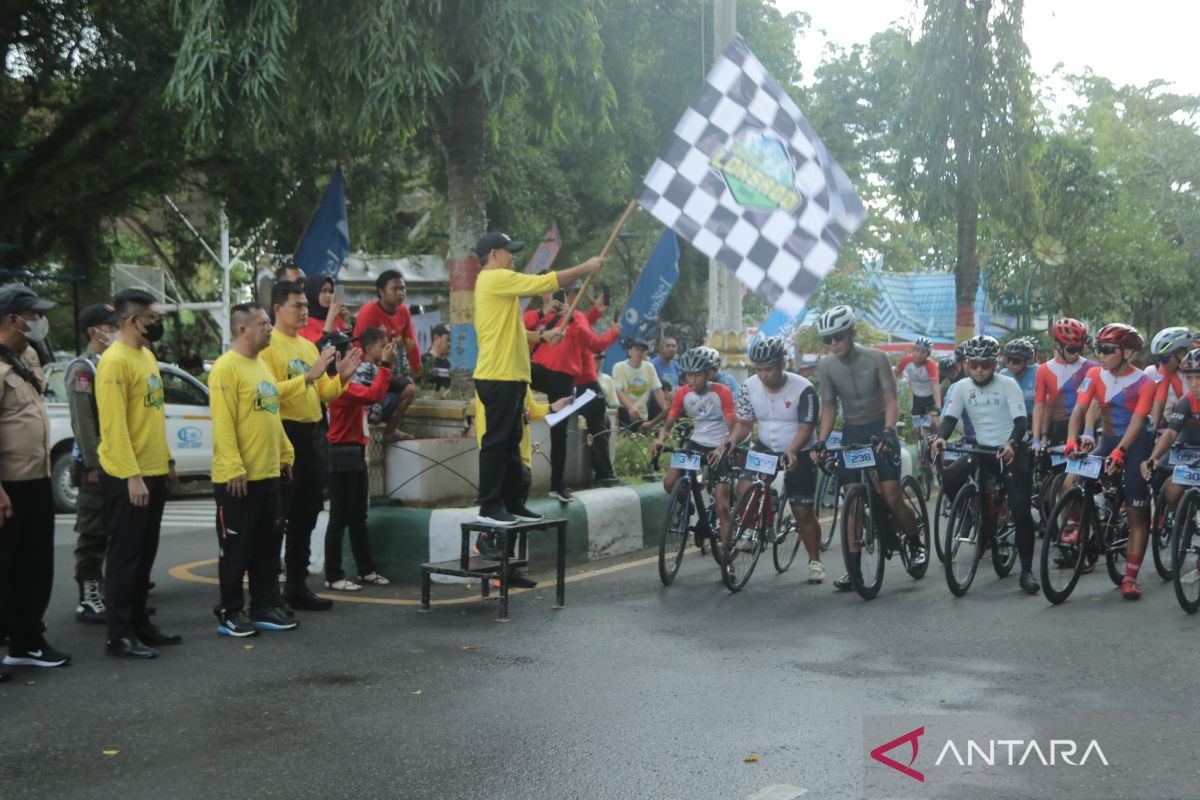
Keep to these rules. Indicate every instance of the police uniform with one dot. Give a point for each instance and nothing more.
(91, 537)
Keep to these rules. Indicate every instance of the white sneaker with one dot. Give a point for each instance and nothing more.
(816, 572)
(744, 544)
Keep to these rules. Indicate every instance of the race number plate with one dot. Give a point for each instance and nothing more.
(1087, 467)
(835, 439)
(761, 462)
(686, 461)
(1184, 455)
(1186, 476)
(1057, 460)
(860, 459)
(950, 455)
(922, 421)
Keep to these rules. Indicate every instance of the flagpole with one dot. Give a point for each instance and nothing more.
(629, 209)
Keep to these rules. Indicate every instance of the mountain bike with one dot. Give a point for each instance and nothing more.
(762, 516)
(979, 521)
(691, 496)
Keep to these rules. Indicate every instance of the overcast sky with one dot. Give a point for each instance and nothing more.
(1127, 42)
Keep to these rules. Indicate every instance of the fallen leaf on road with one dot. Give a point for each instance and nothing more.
(418, 691)
(248, 646)
(472, 647)
(111, 751)
(750, 759)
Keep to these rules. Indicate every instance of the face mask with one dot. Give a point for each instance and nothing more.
(154, 332)
(38, 329)
(106, 337)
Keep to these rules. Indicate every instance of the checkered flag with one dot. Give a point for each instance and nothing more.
(748, 182)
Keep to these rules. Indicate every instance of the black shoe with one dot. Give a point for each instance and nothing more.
(498, 517)
(43, 655)
(151, 635)
(268, 619)
(237, 624)
(486, 549)
(525, 514)
(1029, 584)
(562, 494)
(304, 599)
(844, 584)
(284, 611)
(608, 483)
(519, 580)
(130, 647)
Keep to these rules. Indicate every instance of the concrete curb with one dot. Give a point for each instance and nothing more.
(601, 523)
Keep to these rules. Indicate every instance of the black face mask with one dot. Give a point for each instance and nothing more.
(154, 332)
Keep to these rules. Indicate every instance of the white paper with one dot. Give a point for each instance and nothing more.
(555, 417)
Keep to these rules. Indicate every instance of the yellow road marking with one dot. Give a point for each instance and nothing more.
(184, 573)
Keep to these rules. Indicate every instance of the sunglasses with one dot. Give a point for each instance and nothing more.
(1013, 360)
(836, 337)
(1072, 351)
(1106, 349)
(980, 363)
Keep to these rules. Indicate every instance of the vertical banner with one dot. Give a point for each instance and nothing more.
(326, 241)
(654, 286)
(543, 258)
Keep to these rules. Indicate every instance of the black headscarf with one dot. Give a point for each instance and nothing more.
(313, 290)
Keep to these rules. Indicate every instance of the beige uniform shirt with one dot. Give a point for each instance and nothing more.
(24, 424)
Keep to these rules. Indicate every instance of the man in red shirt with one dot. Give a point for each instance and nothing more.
(390, 315)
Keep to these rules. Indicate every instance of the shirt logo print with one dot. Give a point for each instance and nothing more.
(266, 398)
(154, 392)
(297, 367)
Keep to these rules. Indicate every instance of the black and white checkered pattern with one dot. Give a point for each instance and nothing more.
(781, 254)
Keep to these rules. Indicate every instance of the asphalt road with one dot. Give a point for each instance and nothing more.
(632, 691)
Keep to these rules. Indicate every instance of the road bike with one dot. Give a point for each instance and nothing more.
(1185, 562)
(979, 521)
(762, 516)
(692, 496)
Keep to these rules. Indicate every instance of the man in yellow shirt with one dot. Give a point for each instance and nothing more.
(250, 452)
(137, 472)
(289, 356)
(502, 372)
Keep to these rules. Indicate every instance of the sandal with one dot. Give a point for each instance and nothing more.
(343, 586)
(374, 579)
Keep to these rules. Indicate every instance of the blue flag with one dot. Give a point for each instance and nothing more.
(649, 296)
(326, 240)
(779, 323)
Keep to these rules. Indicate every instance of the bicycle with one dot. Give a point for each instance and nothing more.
(1048, 477)
(761, 516)
(684, 501)
(874, 532)
(1162, 517)
(829, 496)
(979, 521)
(925, 472)
(1087, 522)
(1186, 554)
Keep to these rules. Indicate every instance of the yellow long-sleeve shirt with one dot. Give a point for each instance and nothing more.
(289, 357)
(533, 409)
(129, 397)
(248, 437)
(499, 328)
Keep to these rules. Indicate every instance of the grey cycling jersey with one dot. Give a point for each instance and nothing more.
(859, 381)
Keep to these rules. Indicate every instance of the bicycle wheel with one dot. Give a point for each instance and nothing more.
(916, 501)
(941, 517)
(748, 531)
(1162, 530)
(1063, 548)
(786, 536)
(1004, 548)
(1187, 552)
(673, 539)
(964, 540)
(1116, 542)
(866, 566)
(828, 499)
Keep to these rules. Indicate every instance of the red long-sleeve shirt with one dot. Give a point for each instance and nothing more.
(346, 412)
(397, 325)
(588, 344)
(314, 329)
(566, 356)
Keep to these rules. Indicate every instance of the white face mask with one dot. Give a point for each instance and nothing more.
(106, 337)
(38, 329)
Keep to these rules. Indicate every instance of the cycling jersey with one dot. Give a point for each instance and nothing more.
(860, 381)
(1185, 420)
(711, 412)
(921, 377)
(1027, 380)
(780, 413)
(1168, 386)
(965, 418)
(992, 407)
(1057, 384)
(1120, 397)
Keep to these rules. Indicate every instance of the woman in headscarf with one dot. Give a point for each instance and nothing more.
(325, 313)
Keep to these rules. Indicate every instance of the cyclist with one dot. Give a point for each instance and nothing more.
(1169, 346)
(997, 406)
(922, 374)
(1125, 394)
(715, 375)
(1018, 357)
(785, 407)
(861, 379)
(1185, 420)
(1057, 382)
(710, 405)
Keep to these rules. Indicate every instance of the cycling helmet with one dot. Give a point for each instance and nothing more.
(1168, 340)
(713, 356)
(1124, 336)
(947, 363)
(1019, 348)
(1190, 362)
(1069, 332)
(981, 348)
(694, 360)
(836, 320)
(959, 355)
(771, 349)
(1034, 345)
(924, 341)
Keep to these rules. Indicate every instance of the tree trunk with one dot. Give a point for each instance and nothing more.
(461, 134)
(966, 262)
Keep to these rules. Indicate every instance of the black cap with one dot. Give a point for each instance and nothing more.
(441, 329)
(336, 339)
(15, 298)
(495, 241)
(632, 343)
(96, 315)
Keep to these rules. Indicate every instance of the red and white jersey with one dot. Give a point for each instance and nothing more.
(921, 377)
(711, 412)
(780, 413)
(1056, 385)
(1169, 386)
(1121, 397)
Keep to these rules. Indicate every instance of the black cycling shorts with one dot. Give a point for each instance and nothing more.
(922, 406)
(887, 463)
(799, 484)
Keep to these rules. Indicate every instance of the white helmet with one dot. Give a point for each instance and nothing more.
(836, 320)
(1168, 340)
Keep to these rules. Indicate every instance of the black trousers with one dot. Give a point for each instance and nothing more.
(91, 535)
(245, 535)
(595, 414)
(555, 385)
(348, 509)
(132, 548)
(301, 500)
(1018, 482)
(500, 466)
(26, 561)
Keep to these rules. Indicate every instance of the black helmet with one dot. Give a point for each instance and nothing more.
(981, 348)
(1019, 348)
(768, 350)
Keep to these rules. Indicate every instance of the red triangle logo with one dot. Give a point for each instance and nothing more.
(911, 738)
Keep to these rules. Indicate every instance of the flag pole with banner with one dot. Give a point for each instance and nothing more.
(326, 241)
(748, 182)
(543, 258)
(649, 295)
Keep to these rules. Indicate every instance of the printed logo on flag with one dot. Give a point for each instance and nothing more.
(758, 171)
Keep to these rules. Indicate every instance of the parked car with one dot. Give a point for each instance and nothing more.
(189, 428)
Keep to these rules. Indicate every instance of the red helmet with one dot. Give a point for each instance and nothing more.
(1069, 332)
(1124, 336)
